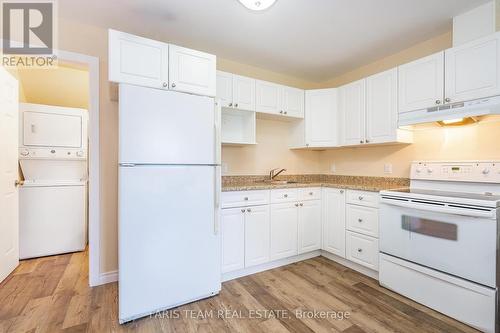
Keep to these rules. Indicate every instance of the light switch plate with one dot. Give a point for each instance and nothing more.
(225, 168)
(333, 168)
(388, 168)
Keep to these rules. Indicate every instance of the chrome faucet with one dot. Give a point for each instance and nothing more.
(273, 174)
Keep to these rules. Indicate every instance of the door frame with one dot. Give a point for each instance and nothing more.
(94, 186)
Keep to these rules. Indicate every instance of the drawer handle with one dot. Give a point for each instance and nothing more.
(310, 193)
(249, 210)
(360, 197)
(360, 250)
(246, 198)
(360, 220)
(285, 195)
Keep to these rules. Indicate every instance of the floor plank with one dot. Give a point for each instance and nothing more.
(51, 294)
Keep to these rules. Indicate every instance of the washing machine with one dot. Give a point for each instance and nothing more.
(53, 162)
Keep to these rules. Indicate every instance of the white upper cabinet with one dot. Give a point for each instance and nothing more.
(382, 107)
(233, 239)
(225, 89)
(293, 102)
(257, 235)
(334, 221)
(309, 224)
(243, 93)
(421, 83)
(321, 118)
(235, 91)
(192, 71)
(137, 60)
(353, 112)
(473, 70)
(268, 97)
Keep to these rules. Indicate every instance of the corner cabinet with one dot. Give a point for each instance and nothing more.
(137, 60)
(150, 63)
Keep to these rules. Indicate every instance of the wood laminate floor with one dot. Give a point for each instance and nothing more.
(52, 295)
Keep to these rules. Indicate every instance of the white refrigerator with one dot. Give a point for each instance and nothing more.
(169, 185)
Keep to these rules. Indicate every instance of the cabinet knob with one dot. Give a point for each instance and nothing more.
(447, 100)
(285, 112)
(360, 250)
(361, 141)
(236, 105)
(285, 195)
(165, 84)
(173, 85)
(249, 210)
(360, 197)
(243, 210)
(296, 205)
(281, 111)
(245, 198)
(367, 141)
(341, 191)
(438, 102)
(307, 145)
(310, 193)
(360, 220)
(301, 204)
(230, 104)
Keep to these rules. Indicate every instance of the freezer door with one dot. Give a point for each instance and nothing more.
(166, 127)
(169, 248)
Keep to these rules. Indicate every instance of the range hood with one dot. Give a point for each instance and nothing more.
(473, 108)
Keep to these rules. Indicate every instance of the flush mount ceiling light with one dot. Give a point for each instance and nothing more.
(257, 5)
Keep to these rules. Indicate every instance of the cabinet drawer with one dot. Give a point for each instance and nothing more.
(362, 249)
(362, 219)
(244, 198)
(363, 198)
(309, 193)
(284, 195)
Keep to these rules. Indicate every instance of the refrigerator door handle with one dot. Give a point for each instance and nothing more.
(217, 190)
(217, 133)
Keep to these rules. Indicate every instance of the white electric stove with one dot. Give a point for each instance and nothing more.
(439, 240)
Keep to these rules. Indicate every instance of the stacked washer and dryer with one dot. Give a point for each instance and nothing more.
(53, 151)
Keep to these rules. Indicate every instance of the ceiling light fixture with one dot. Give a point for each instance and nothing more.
(257, 5)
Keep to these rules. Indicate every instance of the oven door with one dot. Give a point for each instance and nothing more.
(451, 240)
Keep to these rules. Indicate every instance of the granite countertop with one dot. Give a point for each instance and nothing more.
(373, 184)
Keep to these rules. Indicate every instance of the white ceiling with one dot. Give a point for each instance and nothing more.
(310, 39)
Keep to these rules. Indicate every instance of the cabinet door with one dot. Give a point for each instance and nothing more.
(382, 107)
(137, 60)
(293, 102)
(268, 97)
(283, 230)
(233, 239)
(309, 222)
(421, 83)
(473, 70)
(334, 221)
(244, 93)
(353, 107)
(257, 235)
(192, 71)
(225, 89)
(321, 129)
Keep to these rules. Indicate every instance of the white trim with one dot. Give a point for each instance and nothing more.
(107, 277)
(352, 265)
(94, 221)
(269, 265)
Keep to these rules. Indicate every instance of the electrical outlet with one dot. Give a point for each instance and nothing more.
(333, 168)
(388, 168)
(225, 168)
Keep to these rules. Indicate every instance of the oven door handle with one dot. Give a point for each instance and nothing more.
(465, 211)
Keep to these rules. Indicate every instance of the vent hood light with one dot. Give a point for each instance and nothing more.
(458, 121)
(257, 5)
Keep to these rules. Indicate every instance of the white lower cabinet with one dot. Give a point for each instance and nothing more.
(362, 249)
(309, 224)
(256, 235)
(283, 230)
(233, 239)
(334, 221)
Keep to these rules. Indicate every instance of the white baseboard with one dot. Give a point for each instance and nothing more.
(349, 264)
(107, 277)
(269, 265)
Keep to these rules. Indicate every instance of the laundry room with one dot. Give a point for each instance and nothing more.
(53, 160)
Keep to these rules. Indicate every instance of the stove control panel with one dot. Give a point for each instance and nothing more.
(466, 171)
